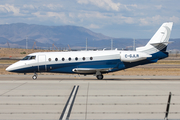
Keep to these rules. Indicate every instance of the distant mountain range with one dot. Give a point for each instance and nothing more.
(62, 36)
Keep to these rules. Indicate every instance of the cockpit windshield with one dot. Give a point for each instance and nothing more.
(32, 57)
(29, 58)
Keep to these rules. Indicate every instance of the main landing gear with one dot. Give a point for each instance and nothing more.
(99, 77)
(34, 77)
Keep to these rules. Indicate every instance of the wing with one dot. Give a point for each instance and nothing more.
(90, 70)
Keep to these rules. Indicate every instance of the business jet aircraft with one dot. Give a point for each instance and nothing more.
(96, 62)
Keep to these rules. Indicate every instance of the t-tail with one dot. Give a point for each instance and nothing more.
(159, 42)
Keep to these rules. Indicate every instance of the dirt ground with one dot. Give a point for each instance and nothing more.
(149, 72)
(144, 70)
(19, 53)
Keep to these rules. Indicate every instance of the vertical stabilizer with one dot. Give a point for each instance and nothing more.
(159, 41)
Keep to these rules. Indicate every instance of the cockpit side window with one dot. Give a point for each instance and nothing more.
(26, 58)
(29, 58)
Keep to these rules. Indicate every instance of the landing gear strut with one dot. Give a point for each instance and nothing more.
(99, 77)
(34, 77)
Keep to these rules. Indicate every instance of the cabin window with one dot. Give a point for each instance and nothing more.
(56, 59)
(91, 58)
(69, 59)
(63, 59)
(76, 58)
(83, 58)
(49, 59)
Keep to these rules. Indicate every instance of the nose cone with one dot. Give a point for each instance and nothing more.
(10, 68)
(14, 67)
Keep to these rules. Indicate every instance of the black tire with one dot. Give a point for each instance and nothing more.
(99, 77)
(34, 77)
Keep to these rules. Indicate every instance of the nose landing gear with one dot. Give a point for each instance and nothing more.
(34, 77)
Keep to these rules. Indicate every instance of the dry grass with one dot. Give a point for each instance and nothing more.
(7, 61)
(15, 52)
(169, 62)
(149, 72)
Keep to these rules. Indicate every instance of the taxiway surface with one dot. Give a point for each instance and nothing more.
(115, 97)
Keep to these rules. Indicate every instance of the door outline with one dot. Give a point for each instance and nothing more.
(40, 60)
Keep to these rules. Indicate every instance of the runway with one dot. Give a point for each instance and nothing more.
(53, 97)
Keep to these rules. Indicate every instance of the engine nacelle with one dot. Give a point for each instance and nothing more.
(133, 56)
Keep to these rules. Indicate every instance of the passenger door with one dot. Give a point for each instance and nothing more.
(41, 63)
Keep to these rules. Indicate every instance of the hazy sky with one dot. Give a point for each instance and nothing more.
(114, 18)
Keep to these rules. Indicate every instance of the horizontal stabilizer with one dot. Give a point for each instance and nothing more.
(155, 44)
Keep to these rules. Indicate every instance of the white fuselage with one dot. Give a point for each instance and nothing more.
(67, 62)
